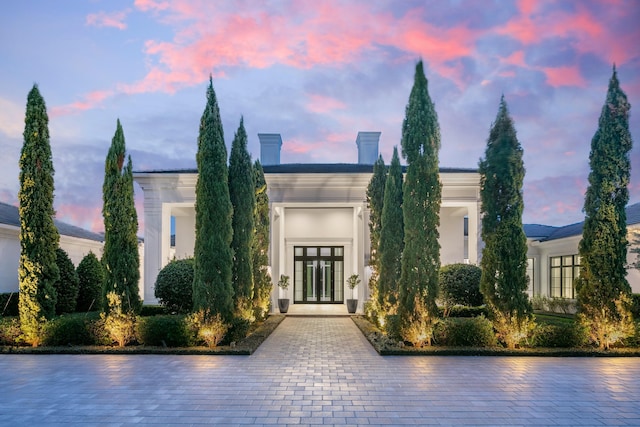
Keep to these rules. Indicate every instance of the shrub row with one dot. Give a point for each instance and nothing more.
(89, 329)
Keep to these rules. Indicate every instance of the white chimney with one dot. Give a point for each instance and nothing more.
(270, 144)
(367, 143)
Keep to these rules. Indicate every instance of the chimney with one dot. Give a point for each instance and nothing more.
(367, 143)
(270, 144)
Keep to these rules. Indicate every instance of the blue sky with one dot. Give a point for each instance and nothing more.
(317, 72)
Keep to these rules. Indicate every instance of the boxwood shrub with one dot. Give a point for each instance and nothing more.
(9, 330)
(163, 330)
(567, 335)
(71, 329)
(466, 332)
(174, 285)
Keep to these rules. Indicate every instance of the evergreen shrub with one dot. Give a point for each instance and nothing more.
(91, 283)
(635, 306)
(238, 330)
(392, 327)
(174, 285)
(67, 285)
(152, 310)
(9, 330)
(466, 332)
(70, 329)
(165, 331)
(463, 311)
(9, 304)
(566, 335)
(460, 285)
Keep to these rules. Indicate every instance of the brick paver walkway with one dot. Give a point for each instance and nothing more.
(314, 371)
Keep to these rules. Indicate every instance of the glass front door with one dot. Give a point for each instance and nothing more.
(318, 274)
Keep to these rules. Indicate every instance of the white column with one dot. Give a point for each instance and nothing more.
(152, 244)
(473, 233)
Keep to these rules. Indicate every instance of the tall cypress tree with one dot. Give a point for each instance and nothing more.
(391, 237)
(421, 210)
(120, 258)
(243, 200)
(504, 258)
(375, 201)
(213, 258)
(603, 290)
(262, 285)
(37, 269)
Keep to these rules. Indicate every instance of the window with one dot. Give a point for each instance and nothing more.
(530, 277)
(564, 272)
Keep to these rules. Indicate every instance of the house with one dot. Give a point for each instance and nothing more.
(319, 221)
(76, 241)
(554, 263)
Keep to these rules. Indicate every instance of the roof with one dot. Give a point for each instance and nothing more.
(9, 215)
(314, 168)
(545, 233)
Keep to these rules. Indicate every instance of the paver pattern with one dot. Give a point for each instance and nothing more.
(317, 371)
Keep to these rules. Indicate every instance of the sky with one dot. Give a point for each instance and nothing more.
(317, 72)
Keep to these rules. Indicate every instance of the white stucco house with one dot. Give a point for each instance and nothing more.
(554, 263)
(77, 242)
(319, 221)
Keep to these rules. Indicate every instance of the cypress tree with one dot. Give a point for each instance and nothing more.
(260, 246)
(375, 201)
(91, 283)
(391, 237)
(603, 290)
(120, 258)
(212, 287)
(504, 258)
(67, 285)
(421, 212)
(243, 200)
(37, 269)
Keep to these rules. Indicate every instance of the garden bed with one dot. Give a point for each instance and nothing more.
(387, 347)
(244, 347)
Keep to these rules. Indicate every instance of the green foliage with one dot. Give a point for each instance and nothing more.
(67, 285)
(635, 306)
(602, 286)
(165, 331)
(174, 285)
(206, 328)
(243, 200)
(153, 310)
(392, 327)
(504, 259)
(464, 311)
(70, 329)
(9, 304)
(9, 330)
(375, 202)
(391, 238)
(118, 323)
(37, 269)
(91, 284)
(260, 246)
(238, 329)
(565, 335)
(460, 285)
(421, 210)
(120, 258)
(212, 285)
(466, 332)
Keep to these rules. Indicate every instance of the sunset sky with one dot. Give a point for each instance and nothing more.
(317, 72)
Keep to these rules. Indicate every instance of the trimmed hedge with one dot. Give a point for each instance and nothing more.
(568, 335)
(174, 285)
(466, 332)
(9, 304)
(71, 329)
(163, 331)
(460, 285)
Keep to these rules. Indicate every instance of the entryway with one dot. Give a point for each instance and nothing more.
(318, 275)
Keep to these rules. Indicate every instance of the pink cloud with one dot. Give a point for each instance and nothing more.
(87, 217)
(323, 104)
(106, 19)
(564, 76)
(90, 101)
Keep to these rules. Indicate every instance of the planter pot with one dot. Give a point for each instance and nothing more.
(352, 305)
(283, 305)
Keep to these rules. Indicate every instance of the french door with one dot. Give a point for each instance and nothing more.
(318, 274)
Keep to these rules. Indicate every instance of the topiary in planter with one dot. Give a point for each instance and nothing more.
(174, 285)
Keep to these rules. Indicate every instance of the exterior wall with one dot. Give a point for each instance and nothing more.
(10, 254)
(634, 273)
(307, 209)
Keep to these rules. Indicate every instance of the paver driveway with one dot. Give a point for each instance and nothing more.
(317, 371)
